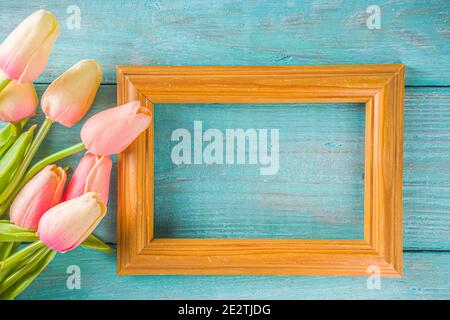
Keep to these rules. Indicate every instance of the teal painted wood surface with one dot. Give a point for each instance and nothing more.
(426, 208)
(234, 32)
(317, 192)
(426, 190)
(426, 277)
(228, 32)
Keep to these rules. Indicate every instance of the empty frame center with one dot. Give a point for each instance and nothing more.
(259, 171)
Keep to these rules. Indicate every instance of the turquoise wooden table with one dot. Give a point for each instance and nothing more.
(318, 190)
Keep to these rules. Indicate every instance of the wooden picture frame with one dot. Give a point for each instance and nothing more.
(380, 87)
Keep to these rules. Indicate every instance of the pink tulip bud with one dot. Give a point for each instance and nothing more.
(17, 101)
(67, 225)
(69, 97)
(112, 130)
(92, 175)
(41, 193)
(24, 53)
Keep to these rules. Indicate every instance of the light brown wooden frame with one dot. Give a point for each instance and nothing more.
(380, 87)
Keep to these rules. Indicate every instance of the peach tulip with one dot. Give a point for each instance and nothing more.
(41, 193)
(24, 53)
(17, 101)
(67, 225)
(91, 175)
(112, 130)
(70, 96)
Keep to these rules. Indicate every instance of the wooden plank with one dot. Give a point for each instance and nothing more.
(194, 210)
(426, 277)
(426, 169)
(228, 32)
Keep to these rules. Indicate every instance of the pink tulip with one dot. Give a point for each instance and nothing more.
(69, 97)
(92, 175)
(24, 53)
(17, 101)
(42, 192)
(67, 225)
(112, 130)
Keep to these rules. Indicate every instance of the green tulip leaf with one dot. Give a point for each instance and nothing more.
(11, 233)
(95, 243)
(20, 257)
(7, 249)
(13, 157)
(9, 134)
(23, 269)
(7, 138)
(21, 284)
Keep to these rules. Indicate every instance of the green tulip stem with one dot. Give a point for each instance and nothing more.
(17, 127)
(35, 144)
(38, 166)
(61, 154)
(4, 83)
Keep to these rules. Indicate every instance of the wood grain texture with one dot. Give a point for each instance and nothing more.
(227, 32)
(426, 277)
(380, 87)
(317, 193)
(260, 32)
(426, 203)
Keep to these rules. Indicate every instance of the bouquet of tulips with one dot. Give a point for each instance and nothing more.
(45, 217)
